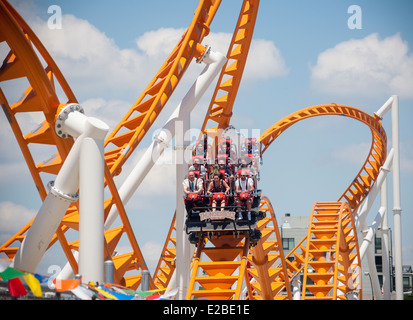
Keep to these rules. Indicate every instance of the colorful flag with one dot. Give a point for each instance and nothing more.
(119, 295)
(153, 297)
(33, 284)
(65, 285)
(16, 288)
(96, 293)
(42, 279)
(83, 293)
(11, 273)
(105, 293)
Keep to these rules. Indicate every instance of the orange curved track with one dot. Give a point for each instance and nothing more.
(40, 96)
(328, 256)
(268, 273)
(23, 61)
(330, 251)
(234, 270)
(218, 115)
(358, 190)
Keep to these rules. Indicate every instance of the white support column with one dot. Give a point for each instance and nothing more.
(385, 243)
(393, 104)
(367, 251)
(296, 287)
(43, 228)
(183, 259)
(70, 122)
(374, 278)
(370, 232)
(364, 209)
(398, 261)
(214, 61)
(62, 192)
(91, 203)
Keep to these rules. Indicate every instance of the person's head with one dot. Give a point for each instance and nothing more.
(221, 163)
(196, 162)
(225, 145)
(191, 175)
(243, 162)
(243, 175)
(216, 178)
(200, 147)
(249, 143)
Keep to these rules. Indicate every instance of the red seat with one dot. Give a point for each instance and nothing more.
(218, 197)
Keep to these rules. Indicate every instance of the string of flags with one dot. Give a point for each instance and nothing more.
(89, 291)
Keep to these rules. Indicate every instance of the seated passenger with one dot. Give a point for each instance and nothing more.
(244, 188)
(219, 189)
(226, 149)
(197, 166)
(193, 188)
(201, 149)
(250, 150)
(224, 168)
(226, 173)
(250, 147)
(246, 165)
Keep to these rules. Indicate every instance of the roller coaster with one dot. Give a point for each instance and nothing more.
(236, 256)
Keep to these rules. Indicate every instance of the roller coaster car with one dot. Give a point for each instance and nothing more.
(202, 221)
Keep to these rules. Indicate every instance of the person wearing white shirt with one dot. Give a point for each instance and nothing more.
(197, 166)
(192, 186)
(243, 185)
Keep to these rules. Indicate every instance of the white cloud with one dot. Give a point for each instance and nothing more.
(265, 61)
(109, 111)
(159, 43)
(368, 66)
(95, 66)
(13, 217)
(92, 63)
(264, 58)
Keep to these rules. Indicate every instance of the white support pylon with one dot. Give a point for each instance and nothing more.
(214, 62)
(70, 122)
(91, 204)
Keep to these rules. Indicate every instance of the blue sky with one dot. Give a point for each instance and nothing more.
(109, 51)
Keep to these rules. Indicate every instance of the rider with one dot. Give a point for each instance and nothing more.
(201, 150)
(193, 188)
(250, 150)
(246, 165)
(224, 168)
(219, 189)
(226, 149)
(197, 166)
(250, 147)
(244, 187)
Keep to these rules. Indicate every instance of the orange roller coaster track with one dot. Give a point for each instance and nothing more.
(23, 61)
(332, 235)
(328, 255)
(235, 269)
(219, 113)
